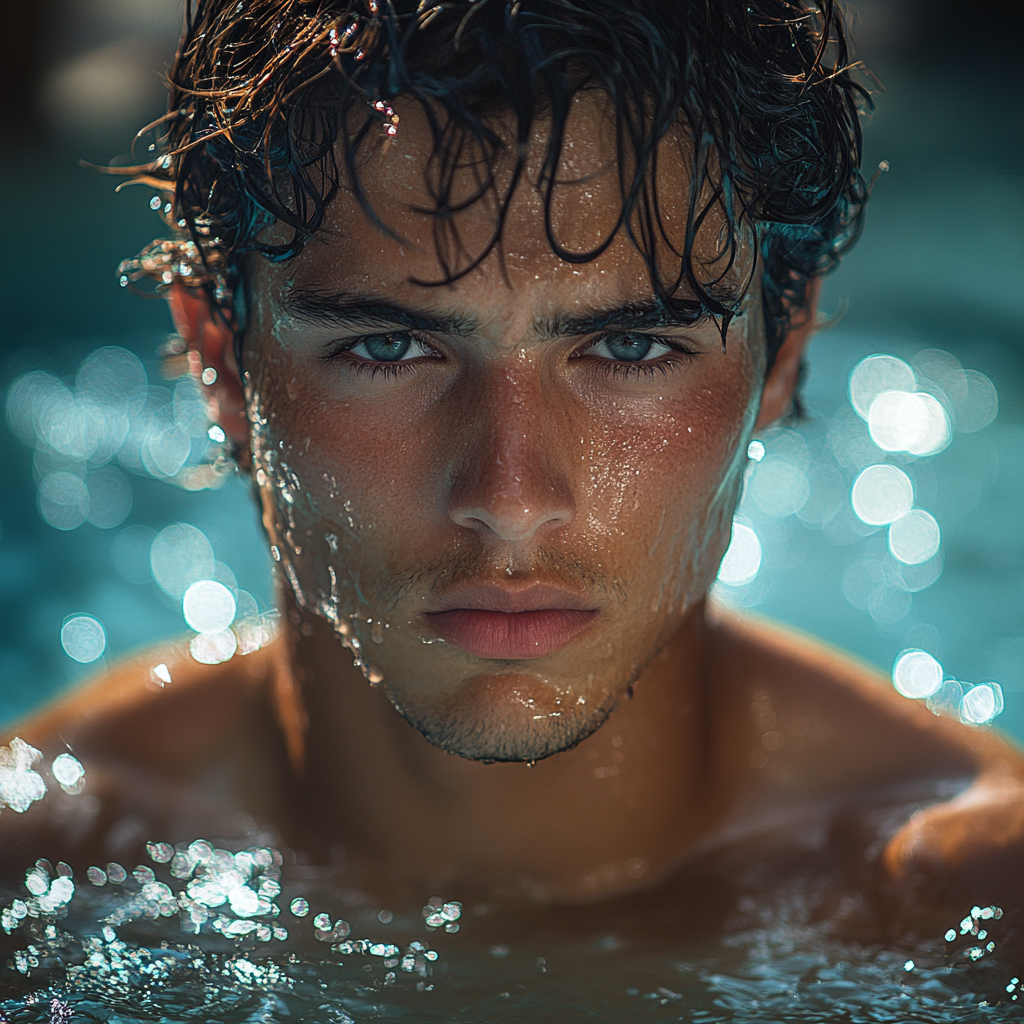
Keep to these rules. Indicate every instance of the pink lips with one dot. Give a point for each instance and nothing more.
(492, 622)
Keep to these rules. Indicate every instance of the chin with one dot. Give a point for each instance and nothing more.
(511, 718)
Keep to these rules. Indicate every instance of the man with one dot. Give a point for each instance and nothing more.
(490, 300)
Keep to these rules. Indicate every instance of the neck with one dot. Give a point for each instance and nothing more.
(610, 815)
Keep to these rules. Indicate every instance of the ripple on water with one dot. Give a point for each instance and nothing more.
(198, 936)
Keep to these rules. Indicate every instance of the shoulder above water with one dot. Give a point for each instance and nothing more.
(814, 736)
(168, 745)
(831, 734)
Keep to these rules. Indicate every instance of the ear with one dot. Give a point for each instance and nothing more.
(783, 377)
(210, 342)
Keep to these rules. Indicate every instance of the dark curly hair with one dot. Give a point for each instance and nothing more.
(272, 102)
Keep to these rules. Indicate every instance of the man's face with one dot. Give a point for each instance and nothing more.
(505, 494)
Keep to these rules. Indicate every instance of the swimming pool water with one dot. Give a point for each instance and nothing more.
(215, 936)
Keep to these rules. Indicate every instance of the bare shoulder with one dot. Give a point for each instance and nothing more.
(827, 726)
(838, 719)
(159, 710)
(170, 748)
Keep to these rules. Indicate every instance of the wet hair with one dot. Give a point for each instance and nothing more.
(273, 102)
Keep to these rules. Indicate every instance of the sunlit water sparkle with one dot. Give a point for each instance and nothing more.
(206, 934)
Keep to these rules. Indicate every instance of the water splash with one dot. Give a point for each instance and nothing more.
(115, 952)
(20, 785)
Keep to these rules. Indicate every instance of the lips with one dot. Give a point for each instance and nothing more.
(492, 622)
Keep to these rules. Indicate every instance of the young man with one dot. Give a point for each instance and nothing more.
(490, 300)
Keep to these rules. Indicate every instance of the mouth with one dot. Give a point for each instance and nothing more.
(495, 623)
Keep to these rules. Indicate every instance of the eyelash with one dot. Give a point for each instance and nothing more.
(613, 369)
(643, 368)
(357, 364)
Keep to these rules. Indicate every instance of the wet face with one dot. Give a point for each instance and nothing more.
(505, 495)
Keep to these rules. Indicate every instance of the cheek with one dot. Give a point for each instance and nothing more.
(363, 466)
(664, 486)
(669, 458)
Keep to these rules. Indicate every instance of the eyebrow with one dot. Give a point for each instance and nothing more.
(352, 310)
(372, 313)
(633, 316)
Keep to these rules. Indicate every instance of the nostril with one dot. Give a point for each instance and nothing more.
(511, 522)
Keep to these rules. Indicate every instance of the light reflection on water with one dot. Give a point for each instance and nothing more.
(209, 934)
(201, 931)
(863, 470)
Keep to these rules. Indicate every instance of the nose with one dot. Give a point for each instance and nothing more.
(509, 481)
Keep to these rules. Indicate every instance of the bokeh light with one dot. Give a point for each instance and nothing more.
(68, 770)
(180, 555)
(904, 421)
(882, 494)
(981, 703)
(742, 560)
(214, 648)
(63, 500)
(981, 404)
(83, 638)
(208, 606)
(110, 497)
(915, 537)
(875, 375)
(255, 631)
(110, 414)
(917, 674)
(779, 486)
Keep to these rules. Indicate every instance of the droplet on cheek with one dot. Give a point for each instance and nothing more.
(293, 582)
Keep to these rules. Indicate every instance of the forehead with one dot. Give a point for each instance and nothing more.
(439, 207)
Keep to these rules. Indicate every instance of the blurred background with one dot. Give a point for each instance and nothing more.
(889, 522)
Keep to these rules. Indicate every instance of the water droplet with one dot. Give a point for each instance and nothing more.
(377, 632)
(68, 771)
(160, 674)
(374, 675)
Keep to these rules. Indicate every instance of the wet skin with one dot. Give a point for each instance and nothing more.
(539, 473)
(497, 508)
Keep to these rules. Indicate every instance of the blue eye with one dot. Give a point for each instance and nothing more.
(632, 354)
(628, 348)
(386, 348)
